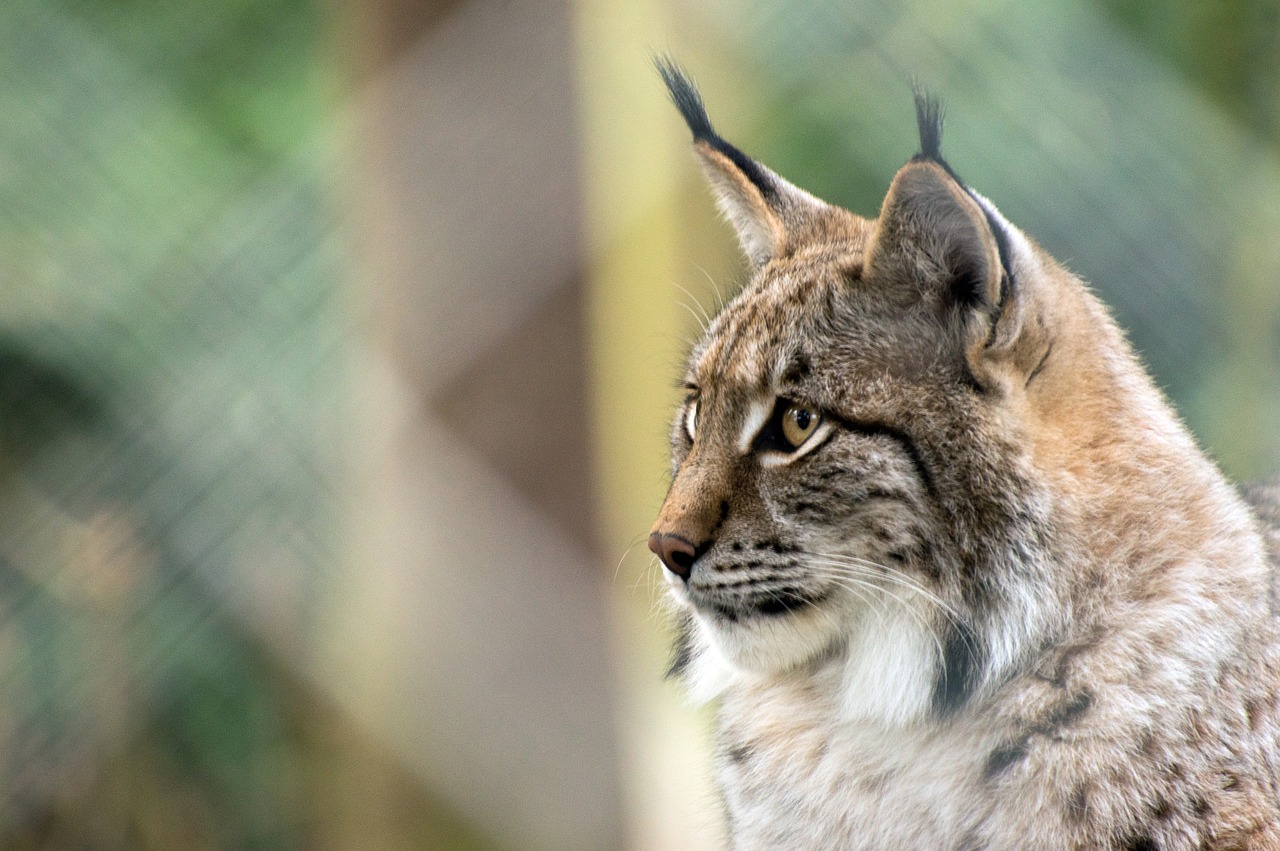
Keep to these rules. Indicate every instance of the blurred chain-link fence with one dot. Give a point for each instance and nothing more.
(171, 377)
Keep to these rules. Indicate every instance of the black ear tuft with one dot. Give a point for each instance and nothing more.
(929, 119)
(684, 94)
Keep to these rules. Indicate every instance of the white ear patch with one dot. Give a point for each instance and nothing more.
(759, 232)
(1021, 255)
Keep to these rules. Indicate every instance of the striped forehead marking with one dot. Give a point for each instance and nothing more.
(748, 365)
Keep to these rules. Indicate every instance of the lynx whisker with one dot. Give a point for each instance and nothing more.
(876, 571)
(704, 321)
(885, 572)
(845, 580)
(638, 539)
(696, 318)
(715, 286)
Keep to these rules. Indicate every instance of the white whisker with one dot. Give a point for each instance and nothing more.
(618, 568)
(865, 568)
(883, 571)
(845, 582)
(714, 285)
(705, 320)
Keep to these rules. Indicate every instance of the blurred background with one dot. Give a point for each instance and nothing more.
(338, 343)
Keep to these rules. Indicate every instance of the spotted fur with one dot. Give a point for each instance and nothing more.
(999, 600)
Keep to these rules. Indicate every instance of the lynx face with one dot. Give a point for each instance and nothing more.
(788, 482)
(796, 473)
(847, 484)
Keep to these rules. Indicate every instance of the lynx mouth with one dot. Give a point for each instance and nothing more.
(758, 604)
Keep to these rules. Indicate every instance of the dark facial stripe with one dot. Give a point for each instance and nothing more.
(904, 440)
(1003, 758)
(959, 671)
(682, 650)
(1039, 366)
(797, 370)
(784, 601)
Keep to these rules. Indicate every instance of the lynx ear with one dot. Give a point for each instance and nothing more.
(938, 239)
(766, 211)
(933, 235)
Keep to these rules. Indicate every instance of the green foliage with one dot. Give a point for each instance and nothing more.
(1228, 50)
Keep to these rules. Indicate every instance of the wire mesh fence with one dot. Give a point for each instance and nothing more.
(171, 378)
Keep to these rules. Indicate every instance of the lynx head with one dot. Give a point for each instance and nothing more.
(863, 465)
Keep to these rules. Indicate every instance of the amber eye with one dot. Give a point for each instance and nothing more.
(798, 423)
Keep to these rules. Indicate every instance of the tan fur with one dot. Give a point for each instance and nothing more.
(1004, 602)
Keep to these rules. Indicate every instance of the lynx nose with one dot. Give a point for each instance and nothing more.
(676, 553)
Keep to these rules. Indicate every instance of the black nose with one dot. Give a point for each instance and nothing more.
(676, 553)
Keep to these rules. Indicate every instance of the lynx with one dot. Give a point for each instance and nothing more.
(948, 564)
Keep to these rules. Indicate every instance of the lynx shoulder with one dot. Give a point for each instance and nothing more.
(949, 565)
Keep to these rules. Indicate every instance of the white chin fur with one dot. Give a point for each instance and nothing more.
(891, 665)
(888, 666)
(755, 649)
(775, 644)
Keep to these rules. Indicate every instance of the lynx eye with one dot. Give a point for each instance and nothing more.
(791, 430)
(798, 424)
